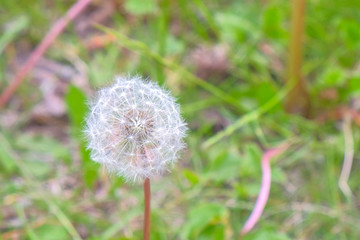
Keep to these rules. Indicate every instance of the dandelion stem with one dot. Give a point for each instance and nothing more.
(147, 209)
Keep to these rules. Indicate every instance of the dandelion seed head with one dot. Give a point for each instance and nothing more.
(134, 128)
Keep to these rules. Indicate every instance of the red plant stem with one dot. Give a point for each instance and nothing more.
(264, 189)
(147, 209)
(50, 37)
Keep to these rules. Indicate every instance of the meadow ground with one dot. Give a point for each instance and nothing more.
(226, 63)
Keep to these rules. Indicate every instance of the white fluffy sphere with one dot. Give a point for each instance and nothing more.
(134, 128)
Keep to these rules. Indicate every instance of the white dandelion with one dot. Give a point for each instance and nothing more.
(134, 128)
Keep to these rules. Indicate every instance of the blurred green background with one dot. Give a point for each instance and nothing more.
(223, 60)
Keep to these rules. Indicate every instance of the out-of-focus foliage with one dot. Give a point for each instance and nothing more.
(50, 189)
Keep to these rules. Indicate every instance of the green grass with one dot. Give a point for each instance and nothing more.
(50, 188)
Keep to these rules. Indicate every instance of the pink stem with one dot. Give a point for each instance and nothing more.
(57, 28)
(265, 188)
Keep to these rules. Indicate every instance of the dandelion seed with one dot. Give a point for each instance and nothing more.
(134, 129)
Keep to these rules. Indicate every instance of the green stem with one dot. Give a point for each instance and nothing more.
(297, 101)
